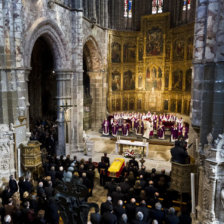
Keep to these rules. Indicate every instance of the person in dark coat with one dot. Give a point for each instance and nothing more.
(52, 215)
(13, 186)
(106, 159)
(133, 162)
(157, 213)
(102, 169)
(106, 206)
(49, 190)
(5, 195)
(117, 195)
(171, 217)
(150, 189)
(60, 173)
(95, 218)
(138, 218)
(109, 218)
(27, 185)
(145, 211)
(131, 209)
(179, 155)
(40, 189)
(119, 210)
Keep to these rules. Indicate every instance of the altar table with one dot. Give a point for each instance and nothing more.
(132, 143)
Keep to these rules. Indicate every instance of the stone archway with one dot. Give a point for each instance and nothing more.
(94, 82)
(53, 37)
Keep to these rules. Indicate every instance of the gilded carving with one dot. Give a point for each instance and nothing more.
(166, 105)
(177, 80)
(173, 105)
(149, 64)
(129, 52)
(154, 42)
(178, 50)
(125, 103)
(140, 81)
(116, 53)
(188, 80)
(129, 81)
(189, 48)
(140, 49)
(116, 81)
(166, 79)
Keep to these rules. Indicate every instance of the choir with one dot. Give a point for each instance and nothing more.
(147, 125)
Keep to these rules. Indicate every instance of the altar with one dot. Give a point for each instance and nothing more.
(138, 144)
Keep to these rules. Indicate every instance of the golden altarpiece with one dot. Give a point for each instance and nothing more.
(151, 69)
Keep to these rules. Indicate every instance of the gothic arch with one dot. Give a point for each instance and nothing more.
(53, 35)
(92, 60)
(92, 53)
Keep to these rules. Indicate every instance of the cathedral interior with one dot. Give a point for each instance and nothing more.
(112, 105)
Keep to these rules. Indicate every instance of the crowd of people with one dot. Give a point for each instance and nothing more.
(139, 197)
(33, 201)
(146, 125)
(45, 131)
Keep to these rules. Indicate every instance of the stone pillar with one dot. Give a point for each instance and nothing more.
(207, 106)
(106, 14)
(63, 78)
(98, 94)
(93, 9)
(22, 93)
(77, 112)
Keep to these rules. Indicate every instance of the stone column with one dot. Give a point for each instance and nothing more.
(63, 78)
(106, 14)
(98, 94)
(93, 9)
(77, 112)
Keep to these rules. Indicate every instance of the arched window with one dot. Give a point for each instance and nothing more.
(128, 8)
(186, 5)
(157, 6)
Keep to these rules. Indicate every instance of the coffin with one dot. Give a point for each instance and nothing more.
(116, 168)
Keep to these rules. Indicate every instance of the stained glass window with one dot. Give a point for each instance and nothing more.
(157, 6)
(186, 5)
(154, 6)
(125, 8)
(160, 6)
(128, 8)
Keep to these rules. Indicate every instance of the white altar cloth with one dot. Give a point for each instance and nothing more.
(134, 143)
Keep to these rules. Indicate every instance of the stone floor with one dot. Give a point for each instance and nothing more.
(159, 155)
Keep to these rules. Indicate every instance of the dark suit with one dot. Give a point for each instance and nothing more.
(13, 186)
(119, 211)
(109, 218)
(145, 211)
(158, 215)
(105, 206)
(130, 211)
(95, 218)
(172, 219)
(179, 155)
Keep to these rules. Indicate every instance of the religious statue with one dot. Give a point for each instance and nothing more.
(105, 127)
